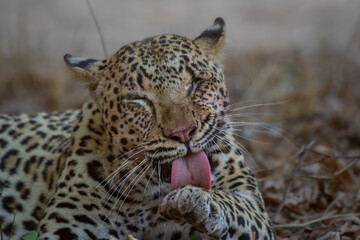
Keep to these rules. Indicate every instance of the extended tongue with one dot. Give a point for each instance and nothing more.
(193, 169)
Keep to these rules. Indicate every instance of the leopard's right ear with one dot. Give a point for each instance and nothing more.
(87, 69)
(212, 39)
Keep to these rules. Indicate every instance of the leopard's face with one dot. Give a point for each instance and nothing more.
(164, 97)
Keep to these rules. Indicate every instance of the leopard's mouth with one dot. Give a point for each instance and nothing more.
(163, 164)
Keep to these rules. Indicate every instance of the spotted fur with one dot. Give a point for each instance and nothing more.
(105, 169)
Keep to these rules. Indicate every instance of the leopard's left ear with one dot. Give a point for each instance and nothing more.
(86, 69)
(213, 38)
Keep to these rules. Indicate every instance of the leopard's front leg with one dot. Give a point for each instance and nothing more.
(232, 209)
(217, 214)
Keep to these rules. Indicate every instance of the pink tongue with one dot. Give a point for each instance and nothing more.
(193, 169)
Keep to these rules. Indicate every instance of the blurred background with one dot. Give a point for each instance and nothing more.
(292, 69)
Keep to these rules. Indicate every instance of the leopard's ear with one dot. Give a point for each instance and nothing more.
(213, 38)
(87, 69)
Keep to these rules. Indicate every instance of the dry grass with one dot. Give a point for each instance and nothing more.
(308, 171)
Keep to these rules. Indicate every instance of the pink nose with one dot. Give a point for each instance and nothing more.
(183, 135)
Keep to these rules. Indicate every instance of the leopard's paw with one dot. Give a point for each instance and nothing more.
(197, 207)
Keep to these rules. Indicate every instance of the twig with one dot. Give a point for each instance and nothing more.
(307, 217)
(325, 156)
(316, 177)
(301, 155)
(98, 29)
(304, 224)
(334, 155)
(315, 161)
(346, 167)
(333, 203)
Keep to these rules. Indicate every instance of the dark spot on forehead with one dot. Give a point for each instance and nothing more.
(123, 141)
(129, 50)
(133, 66)
(130, 59)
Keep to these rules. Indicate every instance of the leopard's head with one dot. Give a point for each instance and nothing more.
(161, 98)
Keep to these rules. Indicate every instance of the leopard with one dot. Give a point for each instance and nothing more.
(151, 155)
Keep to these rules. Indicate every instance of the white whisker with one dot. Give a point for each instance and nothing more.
(235, 145)
(218, 138)
(159, 170)
(112, 175)
(267, 129)
(147, 184)
(121, 185)
(134, 184)
(243, 136)
(259, 105)
(122, 165)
